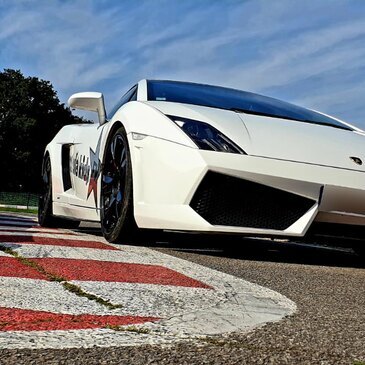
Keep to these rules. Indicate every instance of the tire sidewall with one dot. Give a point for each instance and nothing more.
(45, 207)
(124, 220)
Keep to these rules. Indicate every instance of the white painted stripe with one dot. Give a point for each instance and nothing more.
(150, 300)
(49, 235)
(62, 252)
(45, 295)
(143, 255)
(221, 313)
(4, 229)
(233, 305)
(137, 299)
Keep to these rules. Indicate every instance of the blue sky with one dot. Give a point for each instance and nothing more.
(308, 52)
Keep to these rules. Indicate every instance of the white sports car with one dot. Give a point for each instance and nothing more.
(189, 157)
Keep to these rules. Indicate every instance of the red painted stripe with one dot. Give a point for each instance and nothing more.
(13, 319)
(93, 270)
(9, 266)
(35, 240)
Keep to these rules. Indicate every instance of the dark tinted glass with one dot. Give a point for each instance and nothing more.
(130, 95)
(134, 95)
(236, 100)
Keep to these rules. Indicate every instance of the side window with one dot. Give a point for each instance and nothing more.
(130, 95)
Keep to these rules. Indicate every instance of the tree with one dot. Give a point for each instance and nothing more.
(30, 116)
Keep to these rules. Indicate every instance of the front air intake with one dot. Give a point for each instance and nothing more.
(229, 201)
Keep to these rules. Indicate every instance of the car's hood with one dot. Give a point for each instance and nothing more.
(278, 138)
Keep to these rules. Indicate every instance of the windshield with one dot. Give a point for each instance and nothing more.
(236, 100)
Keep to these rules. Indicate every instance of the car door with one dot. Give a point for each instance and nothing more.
(85, 165)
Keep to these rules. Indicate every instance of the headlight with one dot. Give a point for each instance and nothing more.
(205, 136)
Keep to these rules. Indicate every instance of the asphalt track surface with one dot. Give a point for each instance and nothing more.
(327, 285)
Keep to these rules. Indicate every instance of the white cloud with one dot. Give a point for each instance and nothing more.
(278, 46)
(65, 43)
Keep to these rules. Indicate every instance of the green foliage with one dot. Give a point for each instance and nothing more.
(22, 211)
(24, 199)
(30, 116)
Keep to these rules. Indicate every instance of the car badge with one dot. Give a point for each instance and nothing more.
(356, 160)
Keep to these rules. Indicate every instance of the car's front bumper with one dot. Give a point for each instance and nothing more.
(166, 176)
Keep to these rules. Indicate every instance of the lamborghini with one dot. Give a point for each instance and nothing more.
(188, 157)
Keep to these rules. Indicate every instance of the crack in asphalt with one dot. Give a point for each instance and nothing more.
(70, 287)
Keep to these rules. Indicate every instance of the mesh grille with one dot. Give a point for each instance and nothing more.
(230, 201)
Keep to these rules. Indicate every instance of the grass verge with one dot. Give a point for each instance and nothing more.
(16, 210)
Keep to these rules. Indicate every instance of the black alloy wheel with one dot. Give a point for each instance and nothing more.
(45, 198)
(117, 220)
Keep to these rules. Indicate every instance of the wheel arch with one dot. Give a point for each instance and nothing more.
(111, 129)
(53, 151)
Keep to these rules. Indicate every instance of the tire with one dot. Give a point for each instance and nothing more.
(45, 198)
(45, 214)
(116, 195)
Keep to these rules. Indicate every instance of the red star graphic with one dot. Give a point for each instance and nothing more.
(95, 172)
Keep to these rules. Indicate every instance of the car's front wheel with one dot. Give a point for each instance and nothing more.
(116, 198)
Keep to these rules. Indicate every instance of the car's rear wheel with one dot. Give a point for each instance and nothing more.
(45, 198)
(45, 214)
(117, 220)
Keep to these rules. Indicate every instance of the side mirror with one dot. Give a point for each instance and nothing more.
(91, 101)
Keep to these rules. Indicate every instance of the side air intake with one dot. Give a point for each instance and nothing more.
(229, 201)
(66, 177)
